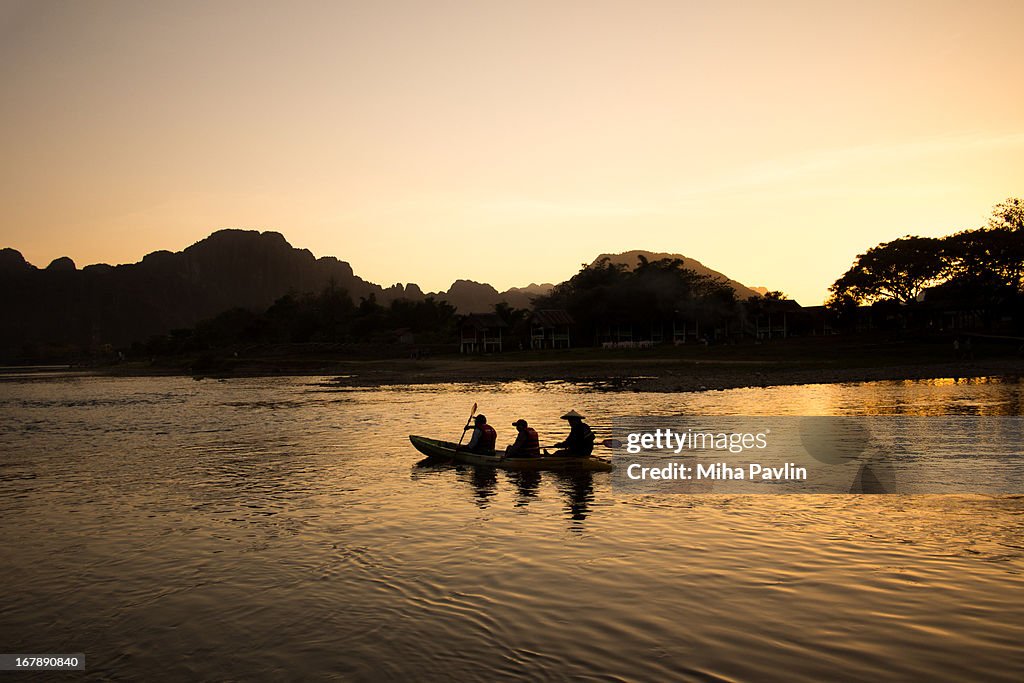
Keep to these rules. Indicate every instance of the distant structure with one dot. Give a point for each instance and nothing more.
(403, 335)
(550, 329)
(772, 317)
(481, 333)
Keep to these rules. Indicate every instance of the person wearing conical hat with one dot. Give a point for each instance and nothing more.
(580, 442)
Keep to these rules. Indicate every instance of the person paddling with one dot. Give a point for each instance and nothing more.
(580, 442)
(527, 444)
(483, 439)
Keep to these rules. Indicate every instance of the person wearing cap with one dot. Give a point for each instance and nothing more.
(580, 442)
(527, 444)
(483, 439)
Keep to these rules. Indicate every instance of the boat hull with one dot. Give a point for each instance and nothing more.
(434, 448)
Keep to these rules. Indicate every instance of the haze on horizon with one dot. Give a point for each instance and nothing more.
(509, 142)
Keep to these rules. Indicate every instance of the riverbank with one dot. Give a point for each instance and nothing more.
(659, 369)
(668, 375)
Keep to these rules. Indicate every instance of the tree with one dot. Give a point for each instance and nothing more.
(988, 257)
(511, 316)
(898, 270)
(654, 293)
(1008, 215)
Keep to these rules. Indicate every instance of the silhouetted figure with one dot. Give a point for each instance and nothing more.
(527, 443)
(580, 442)
(483, 439)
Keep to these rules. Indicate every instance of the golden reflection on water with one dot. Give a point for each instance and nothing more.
(284, 528)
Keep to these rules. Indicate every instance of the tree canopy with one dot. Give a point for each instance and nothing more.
(655, 291)
(986, 263)
(899, 270)
(327, 316)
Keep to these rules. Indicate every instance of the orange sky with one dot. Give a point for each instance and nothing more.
(509, 142)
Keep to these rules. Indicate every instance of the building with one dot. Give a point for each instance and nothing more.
(550, 329)
(481, 333)
(772, 318)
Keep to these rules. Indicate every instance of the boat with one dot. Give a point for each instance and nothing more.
(434, 448)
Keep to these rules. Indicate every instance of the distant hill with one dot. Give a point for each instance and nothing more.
(121, 304)
(475, 297)
(629, 259)
(103, 304)
(63, 305)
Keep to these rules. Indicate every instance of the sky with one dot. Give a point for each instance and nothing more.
(509, 142)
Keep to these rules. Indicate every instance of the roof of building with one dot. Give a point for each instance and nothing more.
(484, 320)
(551, 317)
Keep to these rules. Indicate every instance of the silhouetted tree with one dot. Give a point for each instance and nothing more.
(991, 257)
(899, 270)
(977, 272)
(658, 291)
(327, 316)
(1008, 215)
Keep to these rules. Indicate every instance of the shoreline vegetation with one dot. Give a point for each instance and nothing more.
(664, 369)
(911, 308)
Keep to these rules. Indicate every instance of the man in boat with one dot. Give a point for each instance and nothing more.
(483, 439)
(527, 444)
(580, 442)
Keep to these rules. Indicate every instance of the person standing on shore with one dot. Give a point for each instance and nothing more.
(580, 442)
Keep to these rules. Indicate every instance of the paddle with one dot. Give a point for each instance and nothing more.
(607, 443)
(471, 414)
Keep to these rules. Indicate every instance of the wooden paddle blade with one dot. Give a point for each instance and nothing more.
(471, 414)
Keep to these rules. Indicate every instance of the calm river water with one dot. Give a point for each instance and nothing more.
(281, 529)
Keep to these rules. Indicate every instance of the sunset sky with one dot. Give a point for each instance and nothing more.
(509, 142)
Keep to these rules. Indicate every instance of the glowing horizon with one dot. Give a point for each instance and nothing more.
(509, 143)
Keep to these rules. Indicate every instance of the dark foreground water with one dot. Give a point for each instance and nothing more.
(280, 529)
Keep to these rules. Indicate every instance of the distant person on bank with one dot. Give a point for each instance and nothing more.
(527, 444)
(483, 439)
(580, 442)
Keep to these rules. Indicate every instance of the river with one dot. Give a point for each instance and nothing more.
(284, 528)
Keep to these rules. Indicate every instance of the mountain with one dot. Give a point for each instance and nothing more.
(100, 304)
(470, 297)
(63, 305)
(630, 258)
(475, 297)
